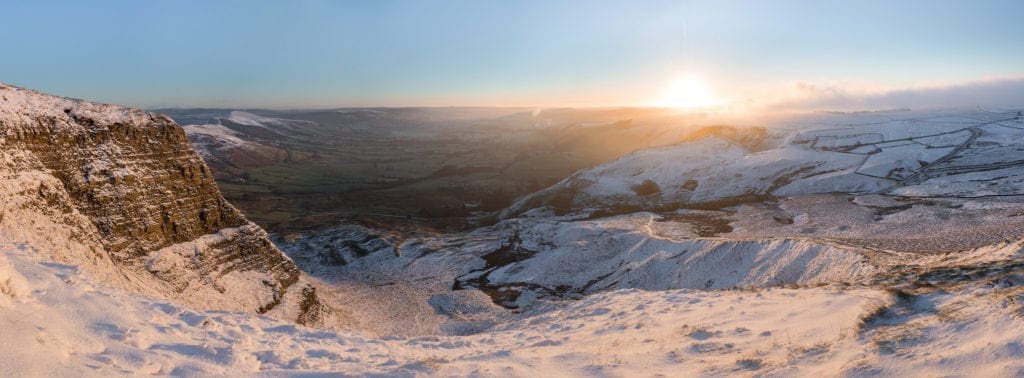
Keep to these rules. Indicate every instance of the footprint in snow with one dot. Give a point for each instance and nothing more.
(701, 334)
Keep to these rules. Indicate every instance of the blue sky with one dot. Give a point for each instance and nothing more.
(341, 53)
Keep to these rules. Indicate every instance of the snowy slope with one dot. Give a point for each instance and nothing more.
(898, 155)
(722, 215)
(59, 322)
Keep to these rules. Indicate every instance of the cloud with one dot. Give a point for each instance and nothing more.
(995, 92)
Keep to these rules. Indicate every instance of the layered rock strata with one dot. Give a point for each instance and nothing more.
(121, 192)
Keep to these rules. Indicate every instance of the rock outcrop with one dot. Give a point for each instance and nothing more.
(121, 192)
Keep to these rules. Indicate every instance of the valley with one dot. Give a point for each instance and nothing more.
(431, 168)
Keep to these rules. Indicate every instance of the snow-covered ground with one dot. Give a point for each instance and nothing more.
(852, 244)
(819, 207)
(214, 136)
(58, 322)
(923, 154)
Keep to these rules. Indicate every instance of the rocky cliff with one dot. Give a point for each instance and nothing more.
(120, 192)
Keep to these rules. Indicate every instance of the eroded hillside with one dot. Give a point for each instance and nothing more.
(122, 193)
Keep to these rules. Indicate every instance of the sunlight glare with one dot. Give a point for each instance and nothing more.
(689, 92)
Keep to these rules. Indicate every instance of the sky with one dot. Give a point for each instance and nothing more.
(315, 54)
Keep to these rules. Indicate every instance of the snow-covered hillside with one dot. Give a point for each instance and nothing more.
(59, 322)
(813, 205)
(832, 244)
(793, 212)
(922, 154)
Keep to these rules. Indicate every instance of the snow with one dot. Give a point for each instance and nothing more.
(19, 106)
(665, 166)
(898, 161)
(68, 322)
(945, 140)
(64, 326)
(220, 133)
(814, 268)
(720, 170)
(14, 288)
(250, 119)
(849, 153)
(623, 252)
(27, 217)
(235, 289)
(1008, 181)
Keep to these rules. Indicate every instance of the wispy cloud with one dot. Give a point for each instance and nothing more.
(1002, 92)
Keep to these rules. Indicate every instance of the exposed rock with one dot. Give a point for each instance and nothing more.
(121, 192)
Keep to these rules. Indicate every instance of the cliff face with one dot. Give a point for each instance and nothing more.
(121, 192)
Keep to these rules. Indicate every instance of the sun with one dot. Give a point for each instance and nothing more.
(689, 92)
